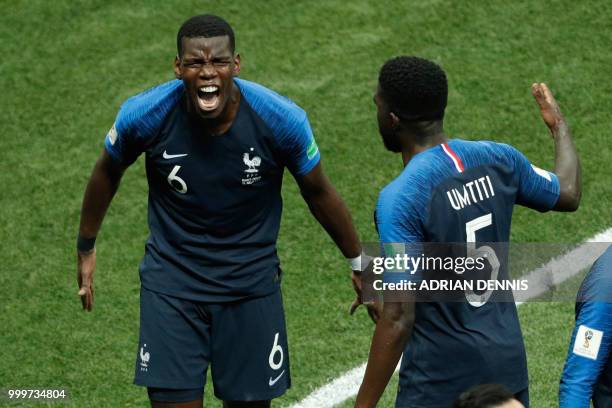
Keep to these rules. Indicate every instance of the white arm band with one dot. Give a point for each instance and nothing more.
(359, 263)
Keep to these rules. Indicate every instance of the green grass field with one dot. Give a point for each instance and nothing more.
(67, 66)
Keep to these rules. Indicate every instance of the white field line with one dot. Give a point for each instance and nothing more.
(564, 267)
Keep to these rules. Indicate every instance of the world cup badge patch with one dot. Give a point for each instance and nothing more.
(112, 135)
(587, 342)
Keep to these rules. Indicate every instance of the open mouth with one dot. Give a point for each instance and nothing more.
(208, 97)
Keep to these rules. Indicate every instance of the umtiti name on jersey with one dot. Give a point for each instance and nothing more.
(474, 191)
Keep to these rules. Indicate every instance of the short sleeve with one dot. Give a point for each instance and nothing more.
(537, 188)
(139, 119)
(300, 148)
(121, 142)
(396, 227)
(399, 229)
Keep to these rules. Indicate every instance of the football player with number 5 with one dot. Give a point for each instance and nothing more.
(454, 191)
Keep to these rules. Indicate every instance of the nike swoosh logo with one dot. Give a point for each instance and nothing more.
(271, 381)
(172, 156)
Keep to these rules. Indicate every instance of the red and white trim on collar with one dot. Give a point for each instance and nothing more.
(456, 160)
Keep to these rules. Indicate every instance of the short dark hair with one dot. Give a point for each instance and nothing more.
(484, 396)
(415, 88)
(204, 25)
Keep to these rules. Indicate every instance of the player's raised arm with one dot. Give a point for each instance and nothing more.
(567, 165)
(100, 190)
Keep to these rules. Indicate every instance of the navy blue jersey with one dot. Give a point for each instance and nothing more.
(588, 369)
(461, 191)
(214, 200)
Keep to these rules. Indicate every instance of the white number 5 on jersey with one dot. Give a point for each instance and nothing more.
(483, 251)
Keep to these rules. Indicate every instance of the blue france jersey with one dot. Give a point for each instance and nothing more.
(214, 201)
(461, 191)
(588, 369)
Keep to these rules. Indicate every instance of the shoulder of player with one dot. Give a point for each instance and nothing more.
(487, 151)
(597, 284)
(488, 147)
(398, 213)
(399, 196)
(273, 107)
(414, 185)
(145, 111)
(498, 150)
(414, 180)
(423, 170)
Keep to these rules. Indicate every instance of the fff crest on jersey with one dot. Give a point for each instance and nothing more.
(144, 358)
(252, 169)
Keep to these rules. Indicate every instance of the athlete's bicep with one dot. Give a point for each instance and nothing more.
(105, 176)
(323, 199)
(110, 166)
(312, 183)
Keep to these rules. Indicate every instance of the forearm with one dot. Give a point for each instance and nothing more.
(333, 215)
(393, 329)
(567, 168)
(99, 192)
(387, 346)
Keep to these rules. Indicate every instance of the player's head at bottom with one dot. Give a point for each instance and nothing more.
(487, 396)
(410, 99)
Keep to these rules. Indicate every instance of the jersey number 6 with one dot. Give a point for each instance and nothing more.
(176, 182)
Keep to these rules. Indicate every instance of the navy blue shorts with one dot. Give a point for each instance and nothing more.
(245, 344)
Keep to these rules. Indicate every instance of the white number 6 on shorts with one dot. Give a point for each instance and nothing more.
(275, 349)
